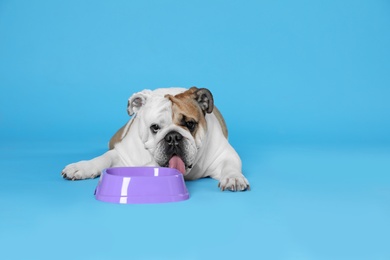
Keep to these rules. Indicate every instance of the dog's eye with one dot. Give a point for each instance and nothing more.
(191, 125)
(154, 128)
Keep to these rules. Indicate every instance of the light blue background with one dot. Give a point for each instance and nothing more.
(304, 87)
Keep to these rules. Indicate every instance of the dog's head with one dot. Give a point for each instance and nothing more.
(173, 127)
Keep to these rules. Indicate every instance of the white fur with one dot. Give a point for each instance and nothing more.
(210, 152)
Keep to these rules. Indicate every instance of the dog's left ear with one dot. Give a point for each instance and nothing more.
(204, 98)
(136, 101)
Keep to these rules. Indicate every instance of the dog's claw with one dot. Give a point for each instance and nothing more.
(234, 184)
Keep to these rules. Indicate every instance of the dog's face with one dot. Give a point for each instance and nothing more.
(173, 127)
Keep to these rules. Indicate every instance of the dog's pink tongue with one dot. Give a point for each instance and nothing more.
(177, 163)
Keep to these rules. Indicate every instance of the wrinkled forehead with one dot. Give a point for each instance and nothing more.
(159, 108)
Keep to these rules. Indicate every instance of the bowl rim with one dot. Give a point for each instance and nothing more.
(167, 172)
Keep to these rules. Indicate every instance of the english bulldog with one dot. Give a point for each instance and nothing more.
(171, 127)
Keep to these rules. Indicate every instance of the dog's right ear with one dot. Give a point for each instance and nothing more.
(136, 101)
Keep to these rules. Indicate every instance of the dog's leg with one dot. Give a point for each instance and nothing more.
(91, 168)
(229, 172)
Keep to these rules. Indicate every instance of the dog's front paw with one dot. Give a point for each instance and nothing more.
(80, 170)
(234, 183)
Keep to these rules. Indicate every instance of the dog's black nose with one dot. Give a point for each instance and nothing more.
(173, 138)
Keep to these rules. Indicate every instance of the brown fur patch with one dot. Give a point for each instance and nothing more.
(184, 105)
(185, 108)
(117, 137)
(221, 121)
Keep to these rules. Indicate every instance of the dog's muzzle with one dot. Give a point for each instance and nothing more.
(174, 151)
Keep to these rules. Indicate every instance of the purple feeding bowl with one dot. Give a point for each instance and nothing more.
(130, 185)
